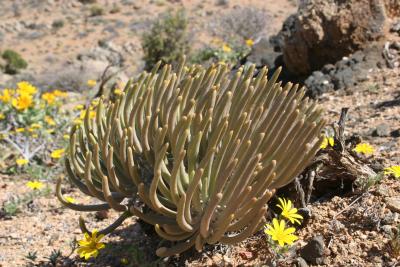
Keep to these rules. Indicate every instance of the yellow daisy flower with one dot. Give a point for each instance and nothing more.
(26, 88)
(70, 199)
(50, 98)
(117, 91)
(278, 232)
(34, 185)
(22, 161)
(226, 48)
(249, 42)
(58, 153)
(89, 246)
(7, 95)
(394, 170)
(288, 212)
(364, 148)
(49, 120)
(22, 102)
(59, 93)
(91, 83)
(328, 141)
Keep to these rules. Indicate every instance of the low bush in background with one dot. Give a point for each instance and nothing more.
(14, 62)
(167, 39)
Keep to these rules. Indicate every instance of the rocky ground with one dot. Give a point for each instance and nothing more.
(65, 44)
(343, 230)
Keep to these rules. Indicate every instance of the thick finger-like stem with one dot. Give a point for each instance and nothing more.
(197, 153)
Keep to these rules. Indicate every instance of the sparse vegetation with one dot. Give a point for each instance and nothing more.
(96, 10)
(241, 24)
(58, 24)
(167, 39)
(14, 62)
(13, 206)
(32, 256)
(220, 52)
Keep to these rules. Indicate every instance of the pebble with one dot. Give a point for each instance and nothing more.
(313, 252)
(393, 203)
(387, 230)
(300, 262)
(381, 130)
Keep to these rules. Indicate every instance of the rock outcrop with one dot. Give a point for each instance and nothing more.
(323, 31)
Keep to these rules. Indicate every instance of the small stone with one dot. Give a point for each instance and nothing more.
(102, 215)
(395, 27)
(393, 203)
(305, 212)
(388, 218)
(217, 258)
(301, 262)
(382, 130)
(383, 190)
(387, 230)
(395, 133)
(263, 54)
(246, 255)
(313, 252)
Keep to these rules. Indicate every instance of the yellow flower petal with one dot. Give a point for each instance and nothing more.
(91, 83)
(89, 246)
(226, 48)
(249, 42)
(394, 170)
(34, 185)
(364, 148)
(58, 153)
(22, 161)
(278, 232)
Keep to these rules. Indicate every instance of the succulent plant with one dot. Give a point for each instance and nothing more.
(197, 153)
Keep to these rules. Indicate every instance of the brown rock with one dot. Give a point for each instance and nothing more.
(323, 31)
(393, 203)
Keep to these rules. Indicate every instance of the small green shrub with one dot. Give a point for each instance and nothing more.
(14, 61)
(12, 207)
(57, 24)
(32, 256)
(167, 40)
(96, 10)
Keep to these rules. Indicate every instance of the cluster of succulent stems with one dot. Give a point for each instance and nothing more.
(197, 153)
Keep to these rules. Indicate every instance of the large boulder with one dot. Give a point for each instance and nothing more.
(323, 31)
